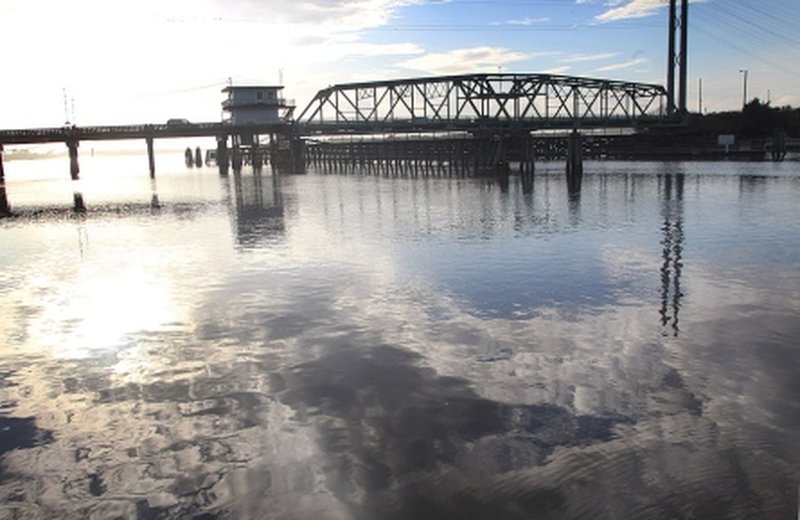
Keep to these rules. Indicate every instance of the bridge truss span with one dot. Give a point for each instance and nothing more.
(523, 101)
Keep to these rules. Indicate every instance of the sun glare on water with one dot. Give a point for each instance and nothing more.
(95, 312)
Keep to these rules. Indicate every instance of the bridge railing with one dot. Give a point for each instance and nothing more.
(533, 99)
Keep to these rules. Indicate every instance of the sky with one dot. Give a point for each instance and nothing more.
(145, 61)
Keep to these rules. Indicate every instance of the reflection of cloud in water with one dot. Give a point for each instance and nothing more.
(324, 381)
(405, 442)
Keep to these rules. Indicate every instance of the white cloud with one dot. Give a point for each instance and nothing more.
(575, 58)
(633, 9)
(563, 69)
(527, 21)
(621, 10)
(622, 65)
(464, 60)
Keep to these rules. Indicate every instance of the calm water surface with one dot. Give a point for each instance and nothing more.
(362, 347)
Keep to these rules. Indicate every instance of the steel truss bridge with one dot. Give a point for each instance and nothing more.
(518, 102)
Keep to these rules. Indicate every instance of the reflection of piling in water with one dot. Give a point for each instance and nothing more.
(5, 210)
(672, 251)
(256, 157)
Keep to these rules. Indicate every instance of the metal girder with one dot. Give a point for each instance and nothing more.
(528, 101)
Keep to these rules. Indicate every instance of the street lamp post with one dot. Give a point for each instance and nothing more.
(744, 87)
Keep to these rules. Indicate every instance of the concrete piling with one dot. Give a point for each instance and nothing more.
(574, 162)
(74, 166)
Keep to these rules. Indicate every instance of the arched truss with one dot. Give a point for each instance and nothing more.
(529, 101)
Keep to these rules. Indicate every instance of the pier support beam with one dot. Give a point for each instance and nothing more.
(222, 154)
(74, 166)
(151, 157)
(2, 171)
(526, 162)
(298, 151)
(236, 158)
(574, 162)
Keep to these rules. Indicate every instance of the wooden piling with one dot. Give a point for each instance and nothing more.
(77, 199)
(527, 166)
(222, 154)
(151, 157)
(298, 149)
(74, 166)
(2, 171)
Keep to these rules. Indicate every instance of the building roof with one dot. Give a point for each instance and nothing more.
(251, 87)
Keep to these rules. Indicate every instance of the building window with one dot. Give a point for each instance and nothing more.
(259, 95)
(271, 95)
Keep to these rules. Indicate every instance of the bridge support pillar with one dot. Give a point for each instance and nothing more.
(222, 154)
(574, 162)
(236, 154)
(2, 171)
(74, 166)
(151, 158)
(526, 164)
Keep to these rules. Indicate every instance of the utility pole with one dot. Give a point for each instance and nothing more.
(744, 87)
(684, 53)
(66, 106)
(699, 95)
(680, 60)
(671, 58)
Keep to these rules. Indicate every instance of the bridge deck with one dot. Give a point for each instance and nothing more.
(139, 131)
